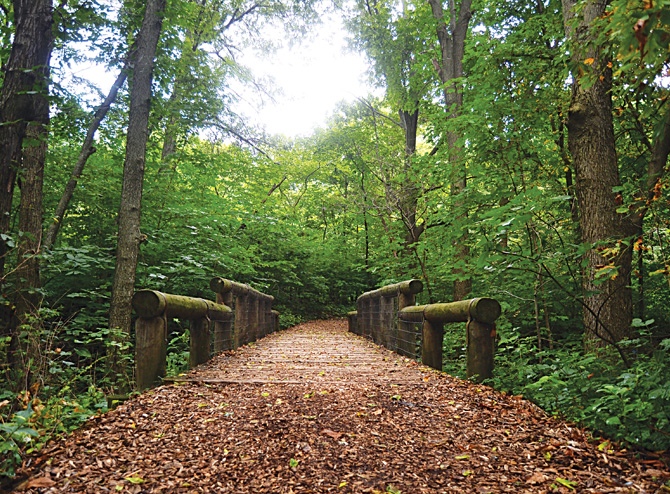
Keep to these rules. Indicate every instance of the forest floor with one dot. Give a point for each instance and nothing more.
(318, 409)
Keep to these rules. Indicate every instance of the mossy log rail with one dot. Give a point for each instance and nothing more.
(154, 308)
(480, 314)
(240, 315)
(151, 303)
(254, 317)
(377, 318)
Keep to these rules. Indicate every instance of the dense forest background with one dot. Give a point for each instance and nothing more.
(518, 152)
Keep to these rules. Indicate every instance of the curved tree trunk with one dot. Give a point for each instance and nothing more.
(86, 151)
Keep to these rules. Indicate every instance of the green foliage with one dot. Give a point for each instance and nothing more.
(177, 354)
(628, 405)
(27, 423)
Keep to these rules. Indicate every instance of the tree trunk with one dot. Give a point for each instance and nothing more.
(129, 236)
(25, 359)
(22, 101)
(608, 298)
(409, 190)
(23, 76)
(450, 69)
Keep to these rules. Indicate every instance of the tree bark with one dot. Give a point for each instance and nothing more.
(450, 68)
(129, 236)
(25, 356)
(608, 300)
(23, 101)
(23, 79)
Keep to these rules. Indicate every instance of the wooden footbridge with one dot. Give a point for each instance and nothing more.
(324, 407)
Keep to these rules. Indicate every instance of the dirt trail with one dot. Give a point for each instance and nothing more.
(317, 409)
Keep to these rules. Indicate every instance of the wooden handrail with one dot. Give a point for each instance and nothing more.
(485, 310)
(375, 318)
(251, 318)
(409, 287)
(152, 303)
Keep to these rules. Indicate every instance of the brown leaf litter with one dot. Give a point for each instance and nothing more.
(318, 409)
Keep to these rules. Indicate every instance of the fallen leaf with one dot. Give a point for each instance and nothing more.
(40, 482)
(135, 479)
(333, 434)
(536, 478)
(570, 484)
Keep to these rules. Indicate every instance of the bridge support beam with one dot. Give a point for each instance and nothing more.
(431, 349)
(480, 350)
(199, 344)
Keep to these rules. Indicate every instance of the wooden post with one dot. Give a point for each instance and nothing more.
(431, 349)
(353, 321)
(199, 346)
(387, 333)
(254, 326)
(479, 350)
(406, 336)
(262, 325)
(375, 319)
(241, 320)
(360, 317)
(275, 320)
(223, 330)
(150, 351)
(267, 317)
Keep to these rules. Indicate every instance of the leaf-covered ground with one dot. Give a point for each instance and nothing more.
(317, 409)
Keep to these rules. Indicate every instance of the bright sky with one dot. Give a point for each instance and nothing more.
(310, 79)
(313, 77)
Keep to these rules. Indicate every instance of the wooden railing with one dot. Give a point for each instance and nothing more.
(393, 324)
(240, 315)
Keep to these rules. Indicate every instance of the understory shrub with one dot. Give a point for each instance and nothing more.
(599, 392)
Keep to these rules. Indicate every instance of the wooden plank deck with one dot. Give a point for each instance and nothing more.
(316, 409)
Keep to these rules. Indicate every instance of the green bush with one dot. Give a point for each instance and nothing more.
(598, 392)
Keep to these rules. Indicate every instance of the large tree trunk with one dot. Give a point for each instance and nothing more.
(23, 101)
(129, 236)
(26, 355)
(450, 68)
(607, 299)
(23, 79)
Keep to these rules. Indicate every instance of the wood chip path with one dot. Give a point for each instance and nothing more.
(317, 409)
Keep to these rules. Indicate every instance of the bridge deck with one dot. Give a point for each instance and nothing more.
(317, 409)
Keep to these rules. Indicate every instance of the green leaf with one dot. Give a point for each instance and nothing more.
(135, 479)
(613, 421)
(570, 484)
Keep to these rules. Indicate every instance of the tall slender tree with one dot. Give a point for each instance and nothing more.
(451, 34)
(129, 235)
(24, 112)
